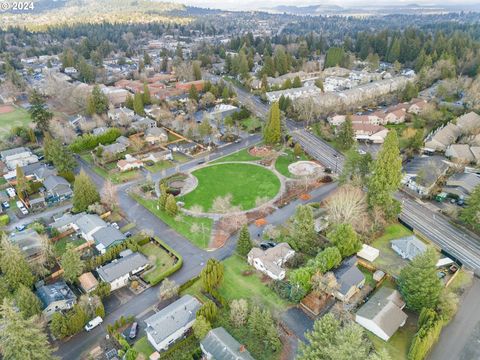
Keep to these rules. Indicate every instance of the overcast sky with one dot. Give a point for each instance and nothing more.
(251, 4)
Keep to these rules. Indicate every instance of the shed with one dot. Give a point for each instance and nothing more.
(368, 253)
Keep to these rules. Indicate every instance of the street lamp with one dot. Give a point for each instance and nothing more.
(336, 162)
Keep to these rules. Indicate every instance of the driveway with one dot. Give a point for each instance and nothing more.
(47, 214)
(298, 322)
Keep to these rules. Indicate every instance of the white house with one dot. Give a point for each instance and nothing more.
(118, 272)
(172, 322)
(270, 261)
(20, 156)
(130, 163)
(382, 314)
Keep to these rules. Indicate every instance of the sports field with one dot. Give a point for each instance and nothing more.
(12, 116)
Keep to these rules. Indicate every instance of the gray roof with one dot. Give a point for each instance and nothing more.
(57, 291)
(222, 346)
(410, 246)
(57, 184)
(175, 316)
(10, 152)
(466, 181)
(426, 168)
(385, 309)
(348, 275)
(89, 222)
(108, 235)
(29, 241)
(121, 267)
(114, 148)
(66, 219)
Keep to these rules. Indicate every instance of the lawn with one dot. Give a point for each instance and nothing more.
(368, 277)
(143, 346)
(162, 260)
(115, 177)
(399, 343)
(388, 260)
(165, 164)
(245, 182)
(287, 158)
(242, 155)
(237, 286)
(251, 124)
(16, 118)
(197, 230)
(61, 245)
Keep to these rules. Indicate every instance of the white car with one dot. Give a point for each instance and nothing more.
(115, 225)
(11, 192)
(92, 324)
(24, 211)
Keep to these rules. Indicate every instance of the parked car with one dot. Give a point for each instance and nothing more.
(20, 227)
(24, 211)
(5, 204)
(11, 192)
(92, 324)
(133, 331)
(201, 162)
(266, 245)
(272, 243)
(115, 225)
(128, 234)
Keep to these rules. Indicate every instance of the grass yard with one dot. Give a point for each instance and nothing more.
(368, 276)
(143, 346)
(165, 164)
(61, 245)
(242, 155)
(251, 124)
(237, 286)
(399, 343)
(197, 230)
(162, 260)
(16, 118)
(282, 162)
(114, 176)
(245, 182)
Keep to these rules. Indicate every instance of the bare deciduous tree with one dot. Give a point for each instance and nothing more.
(238, 312)
(109, 195)
(168, 289)
(347, 205)
(223, 204)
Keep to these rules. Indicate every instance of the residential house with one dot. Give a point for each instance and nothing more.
(142, 124)
(370, 133)
(35, 171)
(88, 282)
(119, 271)
(157, 156)
(349, 279)
(29, 241)
(395, 116)
(423, 172)
(294, 93)
(408, 247)
(220, 345)
(460, 153)
(130, 163)
(56, 297)
(185, 86)
(172, 322)
(155, 135)
(20, 156)
(270, 261)
(187, 148)
(106, 237)
(116, 114)
(461, 184)
(382, 314)
(468, 122)
(123, 140)
(416, 106)
(113, 149)
(440, 139)
(222, 111)
(57, 189)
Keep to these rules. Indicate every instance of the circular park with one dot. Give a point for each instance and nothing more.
(231, 187)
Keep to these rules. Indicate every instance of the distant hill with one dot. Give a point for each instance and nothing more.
(308, 10)
(68, 12)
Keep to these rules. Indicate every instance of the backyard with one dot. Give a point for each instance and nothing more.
(110, 171)
(287, 158)
(159, 257)
(143, 346)
(61, 245)
(388, 260)
(246, 183)
(10, 117)
(197, 230)
(165, 164)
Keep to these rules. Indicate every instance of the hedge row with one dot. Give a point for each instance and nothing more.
(186, 349)
(430, 326)
(90, 141)
(171, 270)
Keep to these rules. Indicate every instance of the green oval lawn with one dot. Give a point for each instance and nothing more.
(245, 182)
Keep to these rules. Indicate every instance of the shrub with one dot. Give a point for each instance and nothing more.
(90, 142)
(4, 219)
(430, 325)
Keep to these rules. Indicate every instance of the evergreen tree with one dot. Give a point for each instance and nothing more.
(27, 302)
(244, 244)
(85, 192)
(225, 94)
(345, 239)
(297, 150)
(297, 83)
(303, 230)
(470, 213)
(270, 332)
(273, 132)
(58, 154)
(39, 113)
(193, 93)
(255, 324)
(419, 283)
(72, 264)
(14, 266)
(209, 311)
(129, 102)
(171, 206)
(22, 338)
(345, 135)
(147, 60)
(386, 177)
(394, 52)
(201, 327)
(146, 97)
(335, 57)
(22, 187)
(97, 102)
(162, 200)
(197, 71)
(138, 104)
(212, 275)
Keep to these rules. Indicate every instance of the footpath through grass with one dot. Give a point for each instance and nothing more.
(245, 182)
(197, 230)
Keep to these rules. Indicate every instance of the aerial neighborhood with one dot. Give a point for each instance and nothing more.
(266, 182)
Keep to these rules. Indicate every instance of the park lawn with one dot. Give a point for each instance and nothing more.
(237, 286)
(143, 346)
(388, 260)
(200, 238)
(245, 182)
(162, 260)
(16, 118)
(287, 158)
(61, 245)
(398, 345)
(242, 155)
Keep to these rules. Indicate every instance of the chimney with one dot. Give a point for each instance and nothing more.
(242, 348)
